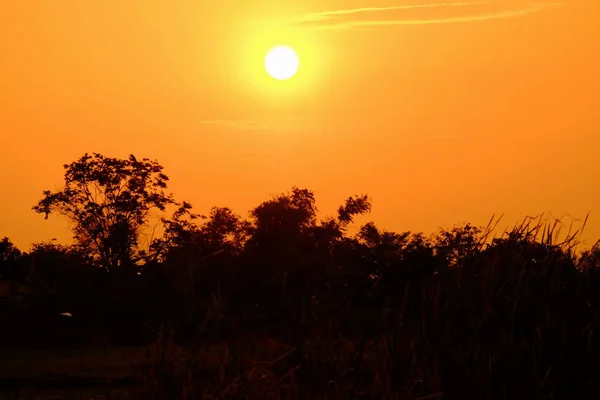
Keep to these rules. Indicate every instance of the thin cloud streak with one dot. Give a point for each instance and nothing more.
(349, 19)
(255, 125)
(236, 124)
(329, 14)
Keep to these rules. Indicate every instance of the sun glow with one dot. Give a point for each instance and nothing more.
(282, 62)
(281, 67)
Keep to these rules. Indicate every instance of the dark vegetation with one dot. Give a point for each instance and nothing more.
(285, 305)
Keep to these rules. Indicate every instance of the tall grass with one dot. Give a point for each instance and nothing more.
(517, 317)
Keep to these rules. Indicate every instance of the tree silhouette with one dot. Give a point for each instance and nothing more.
(109, 200)
(14, 264)
(8, 251)
(452, 313)
(280, 224)
(456, 244)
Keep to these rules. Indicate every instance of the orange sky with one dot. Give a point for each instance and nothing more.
(442, 113)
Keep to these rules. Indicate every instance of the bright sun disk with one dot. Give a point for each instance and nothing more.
(282, 62)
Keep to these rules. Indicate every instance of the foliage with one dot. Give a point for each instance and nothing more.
(284, 304)
(108, 200)
(11, 259)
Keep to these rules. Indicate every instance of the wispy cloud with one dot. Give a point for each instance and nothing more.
(275, 124)
(419, 14)
(244, 125)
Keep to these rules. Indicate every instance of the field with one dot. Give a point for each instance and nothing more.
(381, 315)
(69, 373)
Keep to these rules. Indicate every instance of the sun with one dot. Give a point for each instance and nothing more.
(282, 62)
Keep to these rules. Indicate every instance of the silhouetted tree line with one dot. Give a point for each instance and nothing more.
(521, 308)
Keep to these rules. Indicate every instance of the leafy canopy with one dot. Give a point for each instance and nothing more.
(109, 200)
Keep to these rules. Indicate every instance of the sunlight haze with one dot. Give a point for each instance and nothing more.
(442, 112)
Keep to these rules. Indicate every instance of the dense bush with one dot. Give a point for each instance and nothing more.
(377, 314)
